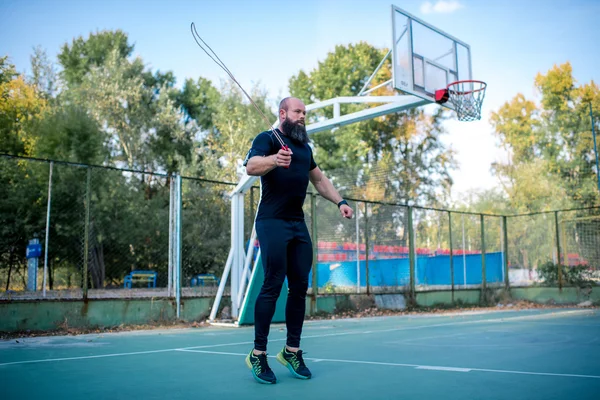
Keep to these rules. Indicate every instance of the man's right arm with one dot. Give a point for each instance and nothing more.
(261, 165)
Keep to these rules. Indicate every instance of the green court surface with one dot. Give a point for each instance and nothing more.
(525, 354)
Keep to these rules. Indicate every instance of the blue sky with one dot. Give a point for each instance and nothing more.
(265, 42)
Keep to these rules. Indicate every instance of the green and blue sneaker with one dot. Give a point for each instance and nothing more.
(294, 362)
(260, 368)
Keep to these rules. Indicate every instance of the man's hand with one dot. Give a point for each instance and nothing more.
(283, 158)
(346, 211)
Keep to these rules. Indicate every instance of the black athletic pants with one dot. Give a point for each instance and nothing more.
(286, 249)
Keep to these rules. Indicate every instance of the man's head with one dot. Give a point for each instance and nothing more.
(292, 114)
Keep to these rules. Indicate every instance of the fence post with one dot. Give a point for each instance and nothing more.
(411, 251)
(171, 230)
(367, 248)
(47, 238)
(357, 227)
(86, 239)
(178, 247)
(451, 250)
(483, 280)
(558, 265)
(505, 250)
(315, 280)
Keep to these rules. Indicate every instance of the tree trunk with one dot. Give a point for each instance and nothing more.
(97, 268)
(10, 265)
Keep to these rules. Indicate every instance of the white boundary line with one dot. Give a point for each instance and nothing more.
(361, 332)
(415, 366)
(85, 357)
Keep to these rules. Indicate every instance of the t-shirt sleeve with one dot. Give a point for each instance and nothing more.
(313, 164)
(262, 145)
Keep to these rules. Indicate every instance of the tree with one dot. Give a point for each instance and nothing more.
(236, 123)
(43, 74)
(396, 158)
(83, 55)
(199, 101)
(403, 150)
(68, 133)
(551, 161)
(20, 105)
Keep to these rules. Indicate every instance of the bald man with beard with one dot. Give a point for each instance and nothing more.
(285, 243)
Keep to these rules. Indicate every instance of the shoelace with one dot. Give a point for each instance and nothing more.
(297, 359)
(261, 363)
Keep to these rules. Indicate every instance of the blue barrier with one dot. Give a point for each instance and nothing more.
(429, 270)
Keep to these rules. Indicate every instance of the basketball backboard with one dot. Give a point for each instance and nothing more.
(424, 58)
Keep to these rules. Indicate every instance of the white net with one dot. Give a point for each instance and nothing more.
(467, 98)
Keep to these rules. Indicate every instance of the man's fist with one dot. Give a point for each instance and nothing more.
(283, 158)
(346, 211)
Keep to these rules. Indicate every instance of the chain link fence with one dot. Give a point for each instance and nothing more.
(558, 248)
(206, 235)
(70, 230)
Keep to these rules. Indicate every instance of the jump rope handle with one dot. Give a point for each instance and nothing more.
(285, 148)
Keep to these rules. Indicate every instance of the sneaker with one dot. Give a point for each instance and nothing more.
(260, 368)
(295, 363)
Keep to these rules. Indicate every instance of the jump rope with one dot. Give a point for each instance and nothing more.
(221, 64)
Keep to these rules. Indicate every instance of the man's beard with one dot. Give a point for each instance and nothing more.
(296, 131)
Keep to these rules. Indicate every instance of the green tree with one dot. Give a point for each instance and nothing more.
(399, 157)
(395, 158)
(199, 100)
(236, 122)
(68, 133)
(43, 74)
(20, 105)
(82, 55)
(550, 145)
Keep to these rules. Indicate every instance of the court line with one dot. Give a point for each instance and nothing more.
(415, 366)
(552, 315)
(85, 357)
(406, 328)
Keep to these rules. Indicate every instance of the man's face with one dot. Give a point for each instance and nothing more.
(296, 112)
(294, 120)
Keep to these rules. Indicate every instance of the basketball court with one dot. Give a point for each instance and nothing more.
(532, 354)
(516, 354)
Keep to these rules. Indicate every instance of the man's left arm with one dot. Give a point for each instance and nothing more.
(326, 189)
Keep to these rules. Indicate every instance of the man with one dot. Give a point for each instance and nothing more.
(286, 246)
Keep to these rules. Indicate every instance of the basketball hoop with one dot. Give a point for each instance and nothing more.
(465, 96)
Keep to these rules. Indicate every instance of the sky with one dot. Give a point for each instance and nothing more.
(266, 42)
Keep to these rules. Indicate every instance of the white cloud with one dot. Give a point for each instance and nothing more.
(441, 6)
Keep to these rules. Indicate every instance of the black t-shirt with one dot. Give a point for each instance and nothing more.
(283, 189)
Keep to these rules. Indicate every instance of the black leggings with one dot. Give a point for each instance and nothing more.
(286, 249)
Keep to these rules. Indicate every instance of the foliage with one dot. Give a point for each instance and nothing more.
(105, 107)
(571, 275)
(20, 105)
(82, 55)
(550, 145)
(236, 125)
(397, 157)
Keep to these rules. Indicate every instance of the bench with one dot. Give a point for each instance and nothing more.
(202, 279)
(140, 276)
